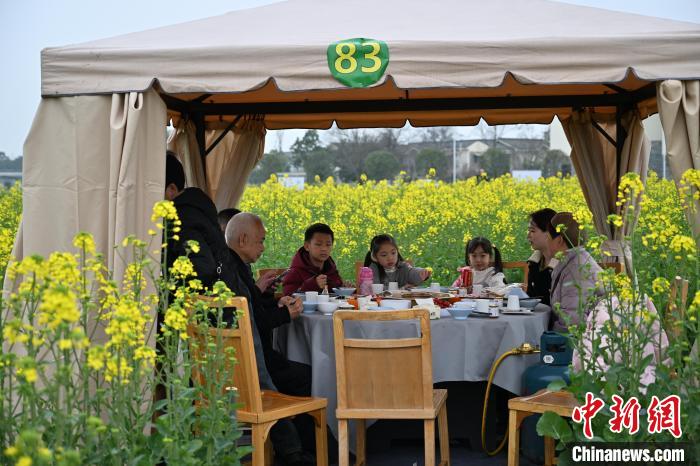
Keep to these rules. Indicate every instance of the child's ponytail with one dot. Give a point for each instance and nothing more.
(497, 263)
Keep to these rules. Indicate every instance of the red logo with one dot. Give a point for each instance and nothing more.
(665, 415)
(625, 415)
(587, 412)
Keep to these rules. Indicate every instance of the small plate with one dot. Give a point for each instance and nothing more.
(521, 311)
(481, 315)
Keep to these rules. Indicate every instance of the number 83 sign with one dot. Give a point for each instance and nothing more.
(358, 62)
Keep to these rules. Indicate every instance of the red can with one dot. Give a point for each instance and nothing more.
(466, 276)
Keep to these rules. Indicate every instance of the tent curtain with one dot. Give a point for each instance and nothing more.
(595, 161)
(679, 110)
(232, 161)
(94, 164)
(184, 143)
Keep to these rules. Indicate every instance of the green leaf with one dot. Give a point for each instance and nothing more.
(556, 385)
(194, 445)
(555, 426)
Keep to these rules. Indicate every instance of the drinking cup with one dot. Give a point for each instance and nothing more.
(477, 289)
(377, 288)
(482, 305)
(322, 298)
(435, 286)
(463, 292)
(393, 286)
(363, 302)
(513, 303)
(312, 296)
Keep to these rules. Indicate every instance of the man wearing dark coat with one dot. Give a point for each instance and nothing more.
(213, 262)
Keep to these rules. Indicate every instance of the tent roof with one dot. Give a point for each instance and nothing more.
(527, 60)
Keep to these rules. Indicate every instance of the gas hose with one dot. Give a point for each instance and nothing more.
(525, 348)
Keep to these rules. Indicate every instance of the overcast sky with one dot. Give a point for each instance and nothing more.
(27, 26)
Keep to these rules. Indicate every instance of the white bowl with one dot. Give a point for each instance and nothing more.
(465, 304)
(327, 308)
(397, 303)
(344, 291)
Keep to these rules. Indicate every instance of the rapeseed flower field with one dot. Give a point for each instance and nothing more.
(432, 220)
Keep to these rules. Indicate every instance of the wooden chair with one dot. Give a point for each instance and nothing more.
(387, 379)
(611, 265)
(517, 265)
(675, 310)
(358, 266)
(562, 403)
(261, 409)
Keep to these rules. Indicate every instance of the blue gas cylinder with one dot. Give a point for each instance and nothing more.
(555, 357)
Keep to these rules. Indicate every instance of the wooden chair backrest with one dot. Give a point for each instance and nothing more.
(675, 310)
(517, 265)
(262, 272)
(383, 373)
(245, 373)
(611, 265)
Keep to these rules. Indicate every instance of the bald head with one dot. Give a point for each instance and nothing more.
(245, 234)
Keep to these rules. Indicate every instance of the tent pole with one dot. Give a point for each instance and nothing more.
(198, 120)
(222, 135)
(620, 136)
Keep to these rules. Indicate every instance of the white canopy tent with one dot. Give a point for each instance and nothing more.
(94, 158)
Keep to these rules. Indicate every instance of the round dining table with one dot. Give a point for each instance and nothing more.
(462, 350)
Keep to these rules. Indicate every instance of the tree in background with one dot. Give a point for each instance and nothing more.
(301, 148)
(556, 161)
(9, 164)
(438, 134)
(351, 148)
(321, 163)
(495, 162)
(381, 165)
(433, 158)
(272, 162)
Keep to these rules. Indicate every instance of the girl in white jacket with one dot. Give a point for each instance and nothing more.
(485, 260)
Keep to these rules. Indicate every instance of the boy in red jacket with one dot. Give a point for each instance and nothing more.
(313, 267)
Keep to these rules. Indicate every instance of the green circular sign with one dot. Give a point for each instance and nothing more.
(358, 62)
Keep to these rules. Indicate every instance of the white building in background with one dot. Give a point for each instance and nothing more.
(652, 127)
(467, 156)
(292, 179)
(526, 174)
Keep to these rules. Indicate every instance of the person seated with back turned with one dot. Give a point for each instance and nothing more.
(574, 274)
(225, 215)
(213, 262)
(539, 273)
(313, 268)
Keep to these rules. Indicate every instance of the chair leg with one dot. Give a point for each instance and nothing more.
(321, 439)
(549, 451)
(343, 448)
(269, 452)
(429, 441)
(260, 434)
(360, 452)
(513, 439)
(444, 436)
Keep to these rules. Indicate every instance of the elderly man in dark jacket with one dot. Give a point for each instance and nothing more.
(245, 235)
(213, 262)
